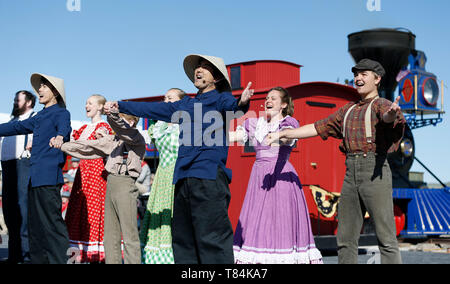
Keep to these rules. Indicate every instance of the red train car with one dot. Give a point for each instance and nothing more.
(320, 164)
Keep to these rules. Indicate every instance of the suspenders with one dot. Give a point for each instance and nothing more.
(26, 136)
(367, 121)
(25, 144)
(124, 160)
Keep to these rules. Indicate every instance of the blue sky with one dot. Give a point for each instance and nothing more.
(134, 48)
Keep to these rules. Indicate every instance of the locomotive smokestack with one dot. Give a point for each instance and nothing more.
(390, 47)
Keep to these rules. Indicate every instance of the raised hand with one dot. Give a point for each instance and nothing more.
(395, 107)
(247, 94)
(391, 114)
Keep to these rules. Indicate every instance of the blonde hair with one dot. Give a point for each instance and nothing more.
(101, 100)
(129, 117)
(180, 93)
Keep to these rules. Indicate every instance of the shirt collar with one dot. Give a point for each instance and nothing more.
(26, 114)
(207, 94)
(55, 106)
(95, 123)
(366, 101)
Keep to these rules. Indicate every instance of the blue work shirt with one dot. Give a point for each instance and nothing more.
(46, 162)
(203, 130)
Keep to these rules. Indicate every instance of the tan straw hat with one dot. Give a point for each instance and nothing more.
(192, 61)
(57, 83)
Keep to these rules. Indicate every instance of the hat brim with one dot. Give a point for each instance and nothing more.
(57, 83)
(354, 69)
(192, 61)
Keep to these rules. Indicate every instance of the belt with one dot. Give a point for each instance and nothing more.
(361, 154)
(365, 155)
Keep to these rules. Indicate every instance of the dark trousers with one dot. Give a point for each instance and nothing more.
(201, 228)
(367, 187)
(142, 207)
(49, 240)
(16, 178)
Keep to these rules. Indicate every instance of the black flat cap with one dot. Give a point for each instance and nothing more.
(368, 64)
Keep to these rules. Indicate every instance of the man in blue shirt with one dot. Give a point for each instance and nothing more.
(48, 235)
(201, 228)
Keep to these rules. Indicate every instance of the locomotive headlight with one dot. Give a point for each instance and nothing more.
(430, 91)
(406, 147)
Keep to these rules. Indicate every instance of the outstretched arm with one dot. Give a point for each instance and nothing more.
(17, 127)
(90, 149)
(305, 131)
(153, 110)
(130, 135)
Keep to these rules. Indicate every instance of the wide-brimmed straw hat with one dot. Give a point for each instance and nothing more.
(192, 61)
(57, 83)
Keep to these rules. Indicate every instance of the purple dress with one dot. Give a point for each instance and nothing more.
(274, 224)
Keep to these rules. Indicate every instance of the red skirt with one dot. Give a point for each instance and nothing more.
(86, 211)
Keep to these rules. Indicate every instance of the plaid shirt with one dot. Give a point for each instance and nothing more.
(386, 136)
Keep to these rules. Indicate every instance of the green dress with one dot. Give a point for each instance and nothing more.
(156, 233)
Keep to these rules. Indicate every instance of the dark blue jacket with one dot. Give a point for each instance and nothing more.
(201, 152)
(46, 162)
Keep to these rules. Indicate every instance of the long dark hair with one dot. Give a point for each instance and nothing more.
(28, 97)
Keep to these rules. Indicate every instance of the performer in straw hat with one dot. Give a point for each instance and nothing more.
(201, 228)
(51, 126)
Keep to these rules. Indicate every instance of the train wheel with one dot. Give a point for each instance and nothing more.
(400, 219)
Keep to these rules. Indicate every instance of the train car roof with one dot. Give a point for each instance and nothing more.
(326, 88)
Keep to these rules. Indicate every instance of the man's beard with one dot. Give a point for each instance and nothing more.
(18, 111)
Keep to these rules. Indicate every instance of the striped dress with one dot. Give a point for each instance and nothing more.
(156, 233)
